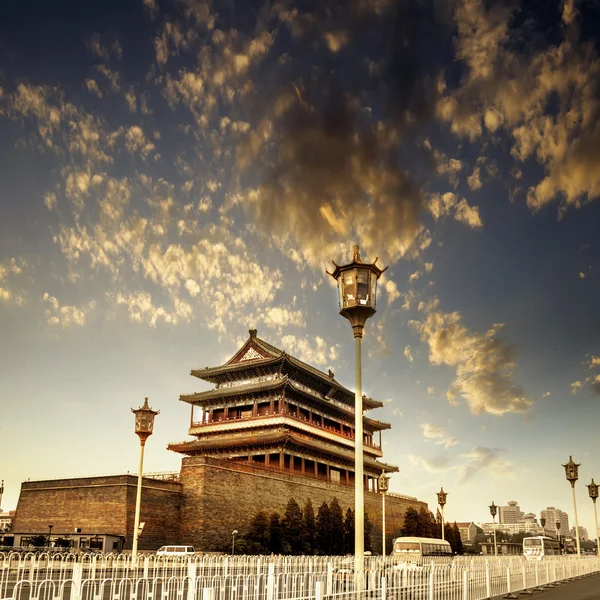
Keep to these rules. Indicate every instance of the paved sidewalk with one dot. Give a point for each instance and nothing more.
(587, 588)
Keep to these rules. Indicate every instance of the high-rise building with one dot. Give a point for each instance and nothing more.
(509, 514)
(583, 533)
(554, 515)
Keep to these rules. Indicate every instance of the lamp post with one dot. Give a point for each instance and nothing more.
(50, 526)
(442, 502)
(543, 524)
(571, 473)
(558, 535)
(593, 490)
(493, 511)
(383, 484)
(233, 534)
(357, 293)
(144, 424)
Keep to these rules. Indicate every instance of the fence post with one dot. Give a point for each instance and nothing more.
(383, 588)
(77, 576)
(509, 593)
(318, 591)
(191, 579)
(488, 582)
(271, 581)
(146, 561)
(431, 582)
(329, 589)
(466, 584)
(206, 594)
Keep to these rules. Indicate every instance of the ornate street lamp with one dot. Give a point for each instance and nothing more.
(571, 473)
(233, 534)
(442, 502)
(50, 526)
(357, 292)
(543, 524)
(493, 511)
(558, 535)
(383, 484)
(593, 490)
(144, 425)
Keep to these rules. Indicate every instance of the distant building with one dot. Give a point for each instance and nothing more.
(468, 532)
(509, 514)
(504, 548)
(583, 533)
(6, 519)
(511, 528)
(554, 515)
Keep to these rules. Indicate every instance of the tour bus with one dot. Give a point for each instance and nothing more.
(413, 549)
(538, 547)
(175, 551)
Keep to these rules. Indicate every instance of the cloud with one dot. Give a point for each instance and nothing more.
(576, 386)
(489, 460)
(142, 309)
(436, 464)
(438, 434)
(545, 98)
(8, 271)
(546, 394)
(315, 351)
(95, 46)
(408, 354)
(484, 364)
(449, 204)
(65, 315)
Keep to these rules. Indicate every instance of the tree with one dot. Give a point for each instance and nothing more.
(425, 523)
(294, 530)
(337, 527)
(459, 548)
(324, 529)
(311, 527)
(349, 532)
(62, 542)
(275, 534)
(38, 540)
(411, 522)
(257, 537)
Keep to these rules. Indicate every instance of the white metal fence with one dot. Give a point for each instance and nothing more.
(114, 577)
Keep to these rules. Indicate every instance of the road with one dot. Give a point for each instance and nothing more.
(587, 588)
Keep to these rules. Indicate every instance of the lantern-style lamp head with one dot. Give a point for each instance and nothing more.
(557, 526)
(357, 290)
(543, 522)
(493, 509)
(571, 471)
(442, 497)
(383, 482)
(144, 421)
(593, 490)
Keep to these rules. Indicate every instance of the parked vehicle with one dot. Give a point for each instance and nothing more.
(538, 547)
(175, 551)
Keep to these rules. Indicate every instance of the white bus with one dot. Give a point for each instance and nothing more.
(412, 549)
(539, 547)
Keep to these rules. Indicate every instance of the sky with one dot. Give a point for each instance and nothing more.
(174, 173)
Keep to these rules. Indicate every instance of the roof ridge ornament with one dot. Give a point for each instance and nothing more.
(253, 333)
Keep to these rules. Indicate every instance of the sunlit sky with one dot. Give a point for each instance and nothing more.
(174, 173)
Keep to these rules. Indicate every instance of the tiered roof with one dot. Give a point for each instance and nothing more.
(261, 359)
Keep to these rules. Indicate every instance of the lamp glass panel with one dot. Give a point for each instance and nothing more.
(349, 288)
(362, 287)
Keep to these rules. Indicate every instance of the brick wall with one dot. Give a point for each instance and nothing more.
(220, 496)
(101, 505)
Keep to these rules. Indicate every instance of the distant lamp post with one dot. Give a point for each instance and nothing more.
(493, 512)
(442, 502)
(357, 292)
(383, 484)
(558, 535)
(571, 473)
(50, 526)
(593, 490)
(144, 424)
(543, 524)
(233, 534)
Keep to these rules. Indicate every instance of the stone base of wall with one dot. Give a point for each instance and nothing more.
(220, 496)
